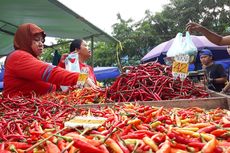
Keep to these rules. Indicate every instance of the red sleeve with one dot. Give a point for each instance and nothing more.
(28, 67)
(92, 74)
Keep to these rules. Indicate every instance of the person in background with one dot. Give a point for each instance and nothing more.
(215, 74)
(25, 73)
(211, 36)
(80, 47)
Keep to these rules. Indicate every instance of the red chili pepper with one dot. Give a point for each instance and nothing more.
(207, 129)
(161, 128)
(226, 125)
(52, 148)
(130, 147)
(75, 135)
(143, 127)
(134, 136)
(146, 113)
(147, 132)
(103, 148)
(149, 118)
(165, 148)
(122, 146)
(19, 145)
(181, 139)
(15, 137)
(179, 146)
(122, 124)
(126, 130)
(85, 147)
(5, 151)
(162, 118)
(210, 146)
(113, 145)
(218, 150)
(61, 144)
(199, 145)
(218, 132)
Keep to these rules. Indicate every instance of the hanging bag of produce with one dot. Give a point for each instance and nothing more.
(189, 48)
(175, 49)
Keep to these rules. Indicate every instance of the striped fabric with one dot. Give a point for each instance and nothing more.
(47, 72)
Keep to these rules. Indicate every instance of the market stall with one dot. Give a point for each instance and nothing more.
(165, 117)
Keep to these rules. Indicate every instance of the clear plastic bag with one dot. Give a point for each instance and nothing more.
(176, 46)
(189, 47)
(183, 46)
(71, 64)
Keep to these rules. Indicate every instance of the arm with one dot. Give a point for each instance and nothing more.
(27, 67)
(220, 80)
(226, 88)
(222, 74)
(211, 36)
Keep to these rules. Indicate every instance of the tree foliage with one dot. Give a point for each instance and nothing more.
(139, 37)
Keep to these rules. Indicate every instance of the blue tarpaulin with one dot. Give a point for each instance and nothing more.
(1, 78)
(103, 73)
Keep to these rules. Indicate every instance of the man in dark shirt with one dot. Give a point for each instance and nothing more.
(215, 73)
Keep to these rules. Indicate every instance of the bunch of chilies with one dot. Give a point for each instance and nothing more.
(34, 125)
(145, 82)
(86, 95)
(152, 82)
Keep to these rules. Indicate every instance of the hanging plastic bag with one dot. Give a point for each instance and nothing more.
(176, 47)
(189, 48)
(71, 64)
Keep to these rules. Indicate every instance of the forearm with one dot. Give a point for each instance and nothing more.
(227, 87)
(211, 36)
(60, 76)
(220, 80)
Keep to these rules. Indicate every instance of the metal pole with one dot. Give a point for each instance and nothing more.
(92, 46)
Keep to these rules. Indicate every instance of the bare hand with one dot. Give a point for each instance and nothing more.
(90, 83)
(192, 26)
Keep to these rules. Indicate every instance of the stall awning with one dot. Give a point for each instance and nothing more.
(54, 17)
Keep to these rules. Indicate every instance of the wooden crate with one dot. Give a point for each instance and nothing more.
(224, 95)
(215, 101)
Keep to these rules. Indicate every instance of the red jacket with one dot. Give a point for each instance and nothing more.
(24, 73)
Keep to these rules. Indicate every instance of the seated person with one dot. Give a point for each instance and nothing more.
(216, 76)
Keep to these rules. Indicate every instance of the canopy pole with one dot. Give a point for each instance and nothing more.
(92, 47)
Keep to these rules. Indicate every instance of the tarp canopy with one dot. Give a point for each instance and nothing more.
(103, 73)
(199, 41)
(54, 17)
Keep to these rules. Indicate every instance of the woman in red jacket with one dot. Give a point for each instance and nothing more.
(25, 73)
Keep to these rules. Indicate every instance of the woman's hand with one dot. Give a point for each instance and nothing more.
(90, 83)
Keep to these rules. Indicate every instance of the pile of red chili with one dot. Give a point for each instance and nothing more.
(151, 82)
(26, 122)
(79, 96)
(19, 114)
